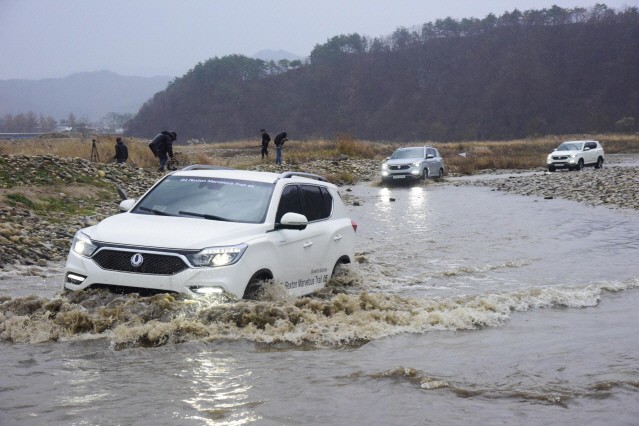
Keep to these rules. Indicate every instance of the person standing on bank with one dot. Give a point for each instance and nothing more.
(265, 140)
(121, 151)
(162, 147)
(279, 143)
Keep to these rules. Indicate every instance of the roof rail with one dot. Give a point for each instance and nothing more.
(285, 175)
(204, 167)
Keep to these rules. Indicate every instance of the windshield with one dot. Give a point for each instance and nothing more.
(408, 153)
(227, 200)
(570, 146)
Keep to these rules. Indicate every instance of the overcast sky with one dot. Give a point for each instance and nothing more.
(51, 39)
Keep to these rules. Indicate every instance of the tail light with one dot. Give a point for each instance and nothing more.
(354, 225)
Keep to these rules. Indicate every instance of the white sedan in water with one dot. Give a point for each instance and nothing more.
(206, 230)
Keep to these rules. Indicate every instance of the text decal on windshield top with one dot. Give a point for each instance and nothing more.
(219, 182)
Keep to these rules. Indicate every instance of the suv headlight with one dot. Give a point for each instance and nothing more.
(218, 256)
(415, 164)
(384, 166)
(83, 245)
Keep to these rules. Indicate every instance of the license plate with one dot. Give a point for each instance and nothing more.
(399, 177)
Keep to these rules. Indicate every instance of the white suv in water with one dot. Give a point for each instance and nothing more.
(209, 230)
(574, 155)
(419, 162)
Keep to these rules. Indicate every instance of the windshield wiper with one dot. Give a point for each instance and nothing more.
(154, 211)
(205, 216)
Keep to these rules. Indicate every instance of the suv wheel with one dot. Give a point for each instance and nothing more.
(254, 287)
(425, 173)
(440, 174)
(580, 164)
(599, 163)
(551, 168)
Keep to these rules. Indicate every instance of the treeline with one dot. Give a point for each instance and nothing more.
(519, 74)
(27, 123)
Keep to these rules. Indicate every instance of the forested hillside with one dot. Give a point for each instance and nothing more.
(520, 74)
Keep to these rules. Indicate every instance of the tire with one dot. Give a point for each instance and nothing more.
(580, 164)
(440, 175)
(338, 269)
(254, 287)
(425, 173)
(552, 168)
(599, 163)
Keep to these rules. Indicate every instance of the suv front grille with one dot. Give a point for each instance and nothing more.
(400, 167)
(157, 264)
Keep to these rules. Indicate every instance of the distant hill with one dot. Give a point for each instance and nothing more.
(537, 72)
(87, 95)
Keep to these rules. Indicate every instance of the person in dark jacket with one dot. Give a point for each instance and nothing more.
(121, 151)
(162, 147)
(266, 138)
(279, 143)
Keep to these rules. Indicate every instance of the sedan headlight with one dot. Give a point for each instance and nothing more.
(83, 245)
(218, 256)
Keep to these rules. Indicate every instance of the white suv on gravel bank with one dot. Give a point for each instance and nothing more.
(209, 230)
(574, 155)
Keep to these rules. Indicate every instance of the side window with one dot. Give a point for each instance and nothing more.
(317, 202)
(591, 145)
(289, 202)
(432, 152)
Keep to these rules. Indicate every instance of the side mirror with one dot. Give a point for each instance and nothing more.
(292, 221)
(127, 205)
(430, 156)
(387, 158)
(587, 148)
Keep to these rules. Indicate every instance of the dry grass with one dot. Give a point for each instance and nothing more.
(139, 153)
(245, 154)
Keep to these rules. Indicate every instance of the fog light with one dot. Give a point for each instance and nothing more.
(207, 290)
(75, 279)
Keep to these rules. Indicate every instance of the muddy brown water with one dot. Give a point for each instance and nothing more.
(467, 306)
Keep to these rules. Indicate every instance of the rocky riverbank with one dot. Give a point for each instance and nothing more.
(44, 200)
(615, 187)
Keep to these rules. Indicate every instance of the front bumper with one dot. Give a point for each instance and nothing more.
(402, 174)
(81, 273)
(562, 162)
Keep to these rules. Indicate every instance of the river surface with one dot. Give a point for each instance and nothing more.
(467, 306)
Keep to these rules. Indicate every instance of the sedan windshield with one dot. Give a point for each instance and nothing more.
(408, 153)
(570, 146)
(228, 200)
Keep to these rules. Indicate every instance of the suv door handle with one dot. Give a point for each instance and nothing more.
(308, 244)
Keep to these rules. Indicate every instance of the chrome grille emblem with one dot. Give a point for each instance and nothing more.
(136, 260)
